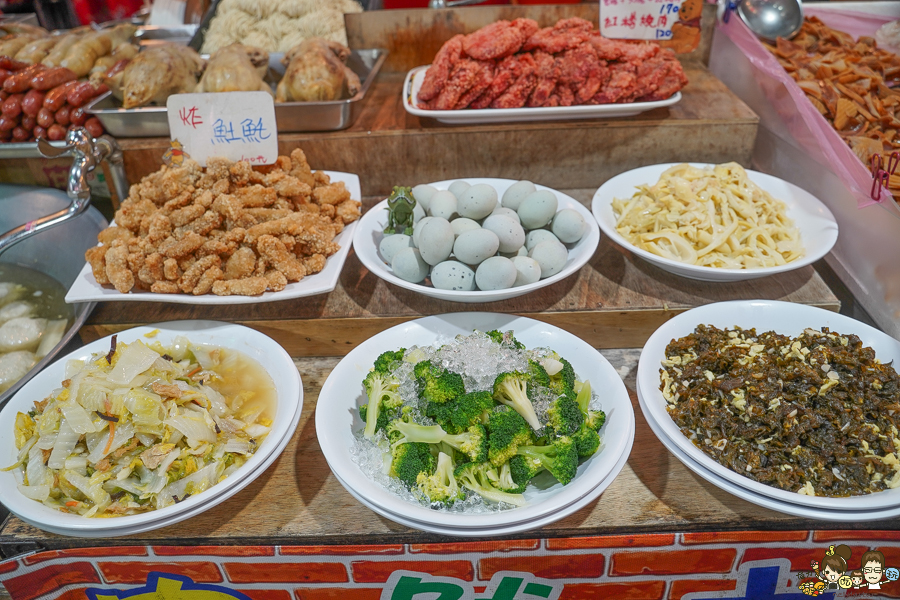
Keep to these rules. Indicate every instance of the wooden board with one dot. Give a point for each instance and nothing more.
(615, 301)
(298, 501)
(388, 147)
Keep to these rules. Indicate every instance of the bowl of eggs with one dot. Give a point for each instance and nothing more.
(477, 239)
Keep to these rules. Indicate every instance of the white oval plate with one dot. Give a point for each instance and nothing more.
(369, 235)
(785, 507)
(337, 414)
(86, 289)
(572, 508)
(263, 349)
(784, 318)
(818, 228)
(466, 116)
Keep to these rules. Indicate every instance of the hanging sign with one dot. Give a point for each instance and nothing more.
(638, 19)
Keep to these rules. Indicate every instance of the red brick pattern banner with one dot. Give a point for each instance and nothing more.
(688, 566)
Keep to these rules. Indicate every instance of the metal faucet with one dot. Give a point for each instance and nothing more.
(452, 3)
(88, 153)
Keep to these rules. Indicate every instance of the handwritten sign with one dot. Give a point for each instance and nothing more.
(235, 125)
(638, 19)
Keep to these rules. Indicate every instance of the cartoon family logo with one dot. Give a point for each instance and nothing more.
(835, 574)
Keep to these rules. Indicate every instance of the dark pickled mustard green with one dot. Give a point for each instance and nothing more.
(816, 410)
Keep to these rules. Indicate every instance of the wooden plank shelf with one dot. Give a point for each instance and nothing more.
(615, 301)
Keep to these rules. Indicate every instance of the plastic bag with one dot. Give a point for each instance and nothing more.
(809, 128)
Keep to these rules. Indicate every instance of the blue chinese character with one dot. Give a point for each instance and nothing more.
(254, 131)
(224, 133)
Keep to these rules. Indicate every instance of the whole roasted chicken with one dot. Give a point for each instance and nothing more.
(316, 72)
(157, 73)
(236, 68)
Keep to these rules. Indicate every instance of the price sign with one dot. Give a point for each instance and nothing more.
(638, 19)
(234, 125)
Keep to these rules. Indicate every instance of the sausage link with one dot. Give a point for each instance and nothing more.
(77, 116)
(39, 132)
(45, 117)
(28, 122)
(12, 106)
(62, 115)
(10, 64)
(50, 78)
(80, 94)
(21, 81)
(4, 73)
(56, 97)
(56, 132)
(20, 134)
(7, 124)
(32, 102)
(94, 127)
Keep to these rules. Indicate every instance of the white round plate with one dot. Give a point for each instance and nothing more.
(210, 502)
(256, 345)
(508, 530)
(369, 235)
(766, 502)
(337, 415)
(86, 289)
(468, 116)
(818, 228)
(765, 315)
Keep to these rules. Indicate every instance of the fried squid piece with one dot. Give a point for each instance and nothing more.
(251, 286)
(440, 68)
(499, 39)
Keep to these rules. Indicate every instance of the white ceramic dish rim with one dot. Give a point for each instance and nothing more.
(374, 221)
(765, 315)
(572, 508)
(416, 76)
(213, 501)
(254, 344)
(758, 499)
(802, 206)
(335, 440)
(86, 289)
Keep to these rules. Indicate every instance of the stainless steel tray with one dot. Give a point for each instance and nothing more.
(24, 149)
(153, 121)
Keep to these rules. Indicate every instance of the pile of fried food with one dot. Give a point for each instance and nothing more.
(229, 229)
(511, 64)
(852, 83)
(314, 71)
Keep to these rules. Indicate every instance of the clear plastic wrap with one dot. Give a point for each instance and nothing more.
(808, 128)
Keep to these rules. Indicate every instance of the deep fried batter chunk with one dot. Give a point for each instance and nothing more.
(192, 276)
(348, 212)
(117, 271)
(241, 264)
(499, 39)
(96, 257)
(278, 256)
(277, 281)
(567, 33)
(333, 193)
(251, 286)
(206, 281)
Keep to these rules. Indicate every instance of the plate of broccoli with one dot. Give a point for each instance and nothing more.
(474, 420)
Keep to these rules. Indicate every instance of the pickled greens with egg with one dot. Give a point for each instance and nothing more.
(143, 427)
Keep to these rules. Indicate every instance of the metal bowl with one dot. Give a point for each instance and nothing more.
(771, 19)
(58, 252)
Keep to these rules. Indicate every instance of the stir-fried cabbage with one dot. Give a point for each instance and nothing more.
(140, 428)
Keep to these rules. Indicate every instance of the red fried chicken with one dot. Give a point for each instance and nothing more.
(463, 76)
(608, 49)
(669, 77)
(439, 71)
(547, 72)
(567, 33)
(505, 73)
(620, 85)
(582, 71)
(480, 83)
(516, 95)
(499, 39)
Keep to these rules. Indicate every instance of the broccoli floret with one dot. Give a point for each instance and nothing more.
(524, 469)
(385, 416)
(505, 338)
(595, 419)
(560, 458)
(437, 384)
(538, 374)
(507, 431)
(564, 381)
(474, 476)
(388, 361)
(456, 415)
(511, 389)
(584, 397)
(440, 486)
(564, 416)
(587, 440)
(409, 460)
(413, 432)
(506, 482)
(382, 392)
(473, 442)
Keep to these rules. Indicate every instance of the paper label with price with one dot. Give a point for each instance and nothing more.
(234, 125)
(638, 19)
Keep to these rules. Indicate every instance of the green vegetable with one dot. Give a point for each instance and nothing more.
(388, 361)
(409, 460)
(511, 389)
(440, 486)
(437, 384)
(564, 416)
(505, 338)
(560, 458)
(587, 440)
(507, 430)
(474, 476)
(456, 415)
(524, 469)
(382, 392)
